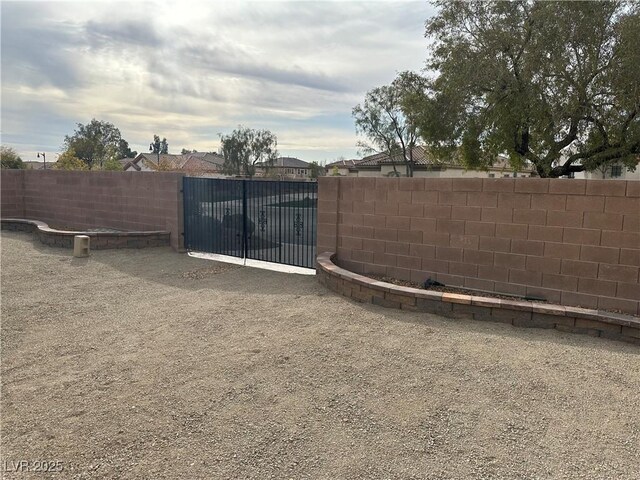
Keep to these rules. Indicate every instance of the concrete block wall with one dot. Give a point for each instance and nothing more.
(122, 200)
(12, 193)
(574, 242)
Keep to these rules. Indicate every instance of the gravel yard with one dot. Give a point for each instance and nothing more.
(150, 364)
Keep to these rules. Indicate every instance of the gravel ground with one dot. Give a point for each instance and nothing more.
(149, 364)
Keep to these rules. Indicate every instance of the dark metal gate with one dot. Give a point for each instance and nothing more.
(273, 221)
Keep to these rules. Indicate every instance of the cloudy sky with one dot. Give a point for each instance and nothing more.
(190, 71)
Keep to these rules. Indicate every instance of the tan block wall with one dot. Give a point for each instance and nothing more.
(122, 200)
(574, 242)
(12, 193)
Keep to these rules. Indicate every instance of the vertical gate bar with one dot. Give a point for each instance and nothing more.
(198, 212)
(305, 260)
(211, 215)
(251, 198)
(194, 214)
(314, 236)
(296, 246)
(202, 217)
(292, 247)
(258, 203)
(221, 195)
(310, 217)
(240, 206)
(279, 221)
(208, 236)
(305, 249)
(265, 251)
(247, 216)
(203, 230)
(185, 210)
(272, 239)
(229, 205)
(244, 218)
(269, 236)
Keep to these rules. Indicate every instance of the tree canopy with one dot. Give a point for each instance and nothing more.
(159, 146)
(10, 159)
(315, 170)
(69, 161)
(96, 142)
(382, 120)
(245, 147)
(550, 83)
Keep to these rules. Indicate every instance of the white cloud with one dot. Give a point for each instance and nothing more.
(189, 71)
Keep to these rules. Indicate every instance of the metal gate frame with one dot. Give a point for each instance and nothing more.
(267, 220)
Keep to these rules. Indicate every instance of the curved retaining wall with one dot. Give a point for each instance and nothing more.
(99, 240)
(570, 241)
(596, 323)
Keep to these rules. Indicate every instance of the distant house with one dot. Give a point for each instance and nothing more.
(612, 172)
(196, 164)
(285, 167)
(124, 161)
(383, 165)
(340, 167)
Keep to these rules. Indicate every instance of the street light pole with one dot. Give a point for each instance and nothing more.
(44, 160)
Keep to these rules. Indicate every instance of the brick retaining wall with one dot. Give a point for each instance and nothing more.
(99, 240)
(572, 242)
(135, 201)
(517, 313)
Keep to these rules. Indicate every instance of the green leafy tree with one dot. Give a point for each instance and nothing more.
(315, 170)
(113, 165)
(245, 147)
(159, 146)
(382, 120)
(9, 159)
(96, 142)
(124, 151)
(186, 151)
(69, 161)
(554, 84)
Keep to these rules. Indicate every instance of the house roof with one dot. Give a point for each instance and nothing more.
(290, 162)
(422, 158)
(193, 162)
(342, 163)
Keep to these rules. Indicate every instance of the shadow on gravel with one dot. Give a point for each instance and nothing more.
(164, 266)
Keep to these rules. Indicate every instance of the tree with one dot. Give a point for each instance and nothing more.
(186, 151)
(315, 170)
(96, 142)
(113, 165)
(124, 151)
(550, 83)
(159, 146)
(382, 120)
(69, 161)
(244, 148)
(9, 159)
